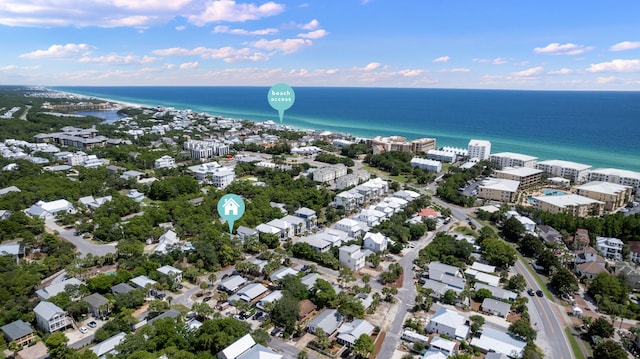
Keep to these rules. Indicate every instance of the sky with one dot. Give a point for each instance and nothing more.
(480, 44)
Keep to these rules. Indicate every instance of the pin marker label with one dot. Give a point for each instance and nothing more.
(281, 97)
(231, 208)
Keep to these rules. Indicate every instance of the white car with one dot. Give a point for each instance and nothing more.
(84, 330)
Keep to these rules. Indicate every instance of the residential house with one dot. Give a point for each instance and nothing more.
(171, 272)
(56, 288)
(497, 293)
(371, 217)
(135, 195)
(166, 242)
(634, 249)
(245, 232)
(15, 250)
(105, 349)
(267, 229)
(98, 305)
(349, 200)
(590, 270)
(249, 292)
(50, 209)
(352, 257)
(297, 224)
(131, 175)
(269, 298)
(283, 272)
(375, 242)
(247, 348)
(232, 284)
(310, 280)
(285, 228)
(351, 227)
(579, 240)
(413, 337)
(549, 234)
(143, 282)
(329, 321)
(51, 318)
(92, 203)
(631, 274)
(587, 255)
(121, 288)
(18, 332)
(495, 307)
(611, 248)
(306, 307)
(494, 340)
(318, 244)
(443, 346)
(449, 322)
(348, 333)
(164, 162)
(308, 215)
(171, 313)
(447, 274)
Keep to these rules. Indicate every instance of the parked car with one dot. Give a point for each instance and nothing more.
(92, 324)
(84, 330)
(206, 299)
(275, 331)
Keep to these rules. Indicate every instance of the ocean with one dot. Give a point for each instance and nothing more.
(601, 129)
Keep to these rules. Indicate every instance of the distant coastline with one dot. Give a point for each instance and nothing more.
(595, 128)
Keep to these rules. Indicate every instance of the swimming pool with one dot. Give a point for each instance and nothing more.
(553, 192)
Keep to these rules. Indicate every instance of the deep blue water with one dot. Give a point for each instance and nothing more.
(597, 128)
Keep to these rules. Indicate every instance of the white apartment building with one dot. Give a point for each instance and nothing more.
(576, 172)
(443, 156)
(510, 159)
(480, 149)
(425, 164)
(610, 248)
(352, 257)
(457, 150)
(202, 149)
(165, 162)
(617, 176)
(222, 177)
(329, 173)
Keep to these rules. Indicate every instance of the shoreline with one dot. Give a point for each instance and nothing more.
(506, 142)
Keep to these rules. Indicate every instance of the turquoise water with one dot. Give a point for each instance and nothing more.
(553, 192)
(601, 129)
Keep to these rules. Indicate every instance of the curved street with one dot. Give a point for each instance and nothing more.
(82, 245)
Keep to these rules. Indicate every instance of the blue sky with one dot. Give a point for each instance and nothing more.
(493, 44)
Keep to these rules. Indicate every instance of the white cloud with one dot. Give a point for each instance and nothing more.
(317, 34)
(562, 71)
(617, 65)
(371, 66)
(456, 69)
(442, 59)
(499, 61)
(286, 46)
(228, 54)
(60, 52)
(119, 60)
(14, 68)
(229, 10)
(410, 73)
(332, 71)
(181, 28)
(528, 72)
(625, 45)
(227, 30)
(189, 65)
(606, 80)
(311, 25)
(555, 48)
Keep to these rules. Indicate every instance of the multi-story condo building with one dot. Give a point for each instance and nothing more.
(443, 156)
(614, 196)
(573, 204)
(613, 175)
(525, 175)
(576, 172)
(329, 173)
(202, 149)
(165, 162)
(610, 248)
(457, 150)
(425, 164)
(496, 189)
(510, 159)
(479, 149)
(381, 144)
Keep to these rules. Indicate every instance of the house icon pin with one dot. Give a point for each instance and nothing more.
(230, 207)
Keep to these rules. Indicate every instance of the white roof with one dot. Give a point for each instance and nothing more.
(56, 288)
(483, 267)
(108, 345)
(252, 291)
(500, 342)
(142, 281)
(442, 343)
(167, 269)
(349, 332)
(520, 171)
(233, 282)
(565, 200)
(377, 238)
(47, 310)
(566, 164)
(10, 248)
(515, 156)
(449, 318)
(237, 348)
(283, 272)
(603, 187)
(617, 172)
(432, 354)
(479, 143)
(500, 184)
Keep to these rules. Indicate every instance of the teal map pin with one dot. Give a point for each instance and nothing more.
(281, 97)
(230, 208)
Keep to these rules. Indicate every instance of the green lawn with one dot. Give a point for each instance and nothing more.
(575, 347)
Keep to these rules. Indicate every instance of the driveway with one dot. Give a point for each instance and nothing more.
(82, 245)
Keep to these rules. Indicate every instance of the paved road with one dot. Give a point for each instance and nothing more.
(82, 245)
(552, 338)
